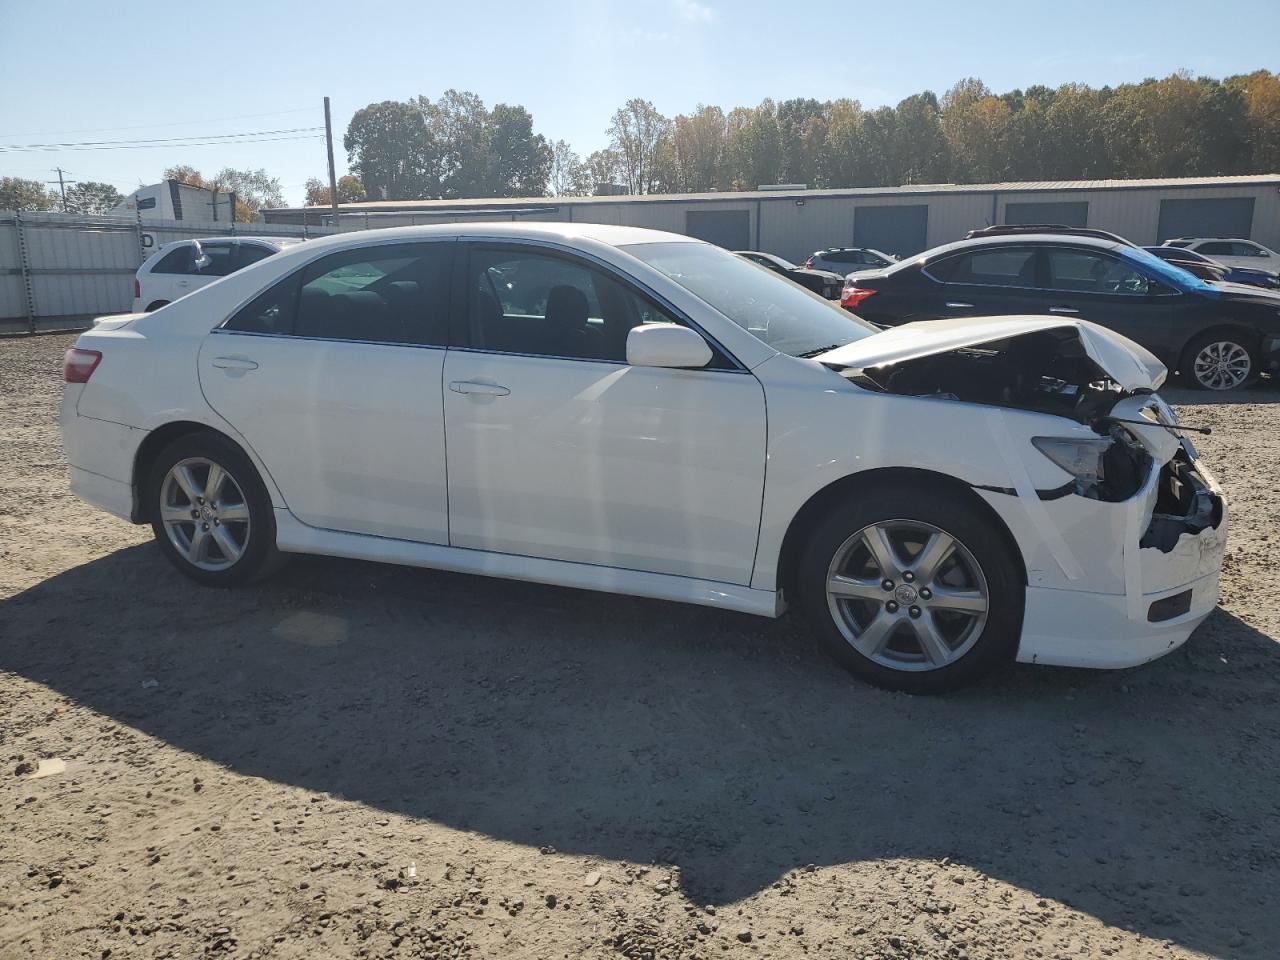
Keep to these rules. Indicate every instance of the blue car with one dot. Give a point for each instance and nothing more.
(1246, 275)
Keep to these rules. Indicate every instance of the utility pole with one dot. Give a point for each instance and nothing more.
(62, 185)
(333, 181)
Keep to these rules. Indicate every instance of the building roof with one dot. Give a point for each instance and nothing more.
(548, 204)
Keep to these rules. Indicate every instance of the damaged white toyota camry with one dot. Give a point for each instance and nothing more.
(641, 413)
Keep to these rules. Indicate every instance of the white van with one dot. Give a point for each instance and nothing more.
(177, 268)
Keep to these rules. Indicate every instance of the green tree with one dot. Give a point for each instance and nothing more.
(796, 120)
(254, 190)
(1260, 92)
(976, 125)
(603, 167)
(92, 197)
(921, 152)
(753, 147)
(391, 149)
(567, 176)
(19, 194)
(521, 158)
(635, 133)
(350, 190)
(698, 150)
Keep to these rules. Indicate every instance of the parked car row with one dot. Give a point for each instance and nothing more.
(1219, 335)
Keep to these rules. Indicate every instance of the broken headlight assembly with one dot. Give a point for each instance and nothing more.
(1110, 468)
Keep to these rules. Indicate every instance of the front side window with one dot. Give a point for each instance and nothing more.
(1082, 271)
(526, 302)
(388, 293)
(1247, 250)
(785, 316)
(996, 267)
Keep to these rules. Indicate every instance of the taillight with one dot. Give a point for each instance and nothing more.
(78, 365)
(137, 289)
(853, 295)
(807, 265)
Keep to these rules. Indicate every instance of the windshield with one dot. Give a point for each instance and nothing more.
(783, 314)
(1166, 272)
(782, 262)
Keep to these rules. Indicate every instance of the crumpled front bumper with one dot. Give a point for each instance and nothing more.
(1102, 599)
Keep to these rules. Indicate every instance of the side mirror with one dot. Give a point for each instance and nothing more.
(666, 345)
(199, 259)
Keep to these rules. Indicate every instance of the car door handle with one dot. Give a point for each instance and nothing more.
(481, 389)
(234, 363)
(1063, 310)
(955, 305)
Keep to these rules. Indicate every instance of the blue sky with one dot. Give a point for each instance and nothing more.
(80, 71)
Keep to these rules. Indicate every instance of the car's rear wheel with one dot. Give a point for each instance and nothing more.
(210, 513)
(1220, 361)
(911, 590)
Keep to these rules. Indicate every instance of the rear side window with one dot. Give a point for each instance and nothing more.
(222, 261)
(177, 260)
(1003, 267)
(390, 293)
(1218, 248)
(252, 253)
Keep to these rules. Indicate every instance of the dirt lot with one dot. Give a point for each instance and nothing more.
(357, 760)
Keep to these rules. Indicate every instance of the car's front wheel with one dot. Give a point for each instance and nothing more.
(1220, 361)
(912, 590)
(210, 512)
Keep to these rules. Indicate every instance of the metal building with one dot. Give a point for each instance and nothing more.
(899, 220)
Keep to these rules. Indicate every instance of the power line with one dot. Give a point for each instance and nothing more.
(157, 146)
(157, 126)
(149, 140)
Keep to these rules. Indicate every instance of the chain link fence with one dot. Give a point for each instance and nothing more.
(58, 271)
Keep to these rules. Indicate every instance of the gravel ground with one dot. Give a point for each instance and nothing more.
(355, 760)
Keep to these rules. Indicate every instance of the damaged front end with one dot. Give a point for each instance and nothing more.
(1122, 554)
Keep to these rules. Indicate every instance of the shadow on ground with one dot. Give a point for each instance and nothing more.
(648, 731)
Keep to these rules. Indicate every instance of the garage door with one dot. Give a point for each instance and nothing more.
(1069, 214)
(727, 228)
(897, 230)
(1225, 217)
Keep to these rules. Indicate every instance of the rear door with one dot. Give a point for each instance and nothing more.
(332, 375)
(221, 255)
(988, 281)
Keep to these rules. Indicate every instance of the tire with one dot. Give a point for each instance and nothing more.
(1226, 358)
(222, 541)
(916, 639)
(156, 305)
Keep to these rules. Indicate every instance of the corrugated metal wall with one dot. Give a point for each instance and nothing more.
(57, 271)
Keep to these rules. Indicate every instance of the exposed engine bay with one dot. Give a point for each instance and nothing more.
(1184, 505)
(1046, 371)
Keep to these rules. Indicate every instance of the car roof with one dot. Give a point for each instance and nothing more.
(608, 234)
(1019, 240)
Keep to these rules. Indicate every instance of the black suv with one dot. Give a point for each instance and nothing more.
(1219, 336)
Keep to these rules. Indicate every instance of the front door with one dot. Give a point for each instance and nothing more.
(558, 449)
(1112, 292)
(333, 378)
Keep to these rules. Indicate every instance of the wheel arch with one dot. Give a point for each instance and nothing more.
(863, 484)
(156, 305)
(161, 437)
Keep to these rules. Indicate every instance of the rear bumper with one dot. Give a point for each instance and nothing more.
(110, 495)
(100, 455)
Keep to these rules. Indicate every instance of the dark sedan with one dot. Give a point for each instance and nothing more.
(1220, 336)
(822, 282)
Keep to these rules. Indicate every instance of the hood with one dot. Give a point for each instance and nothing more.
(1132, 367)
(1244, 291)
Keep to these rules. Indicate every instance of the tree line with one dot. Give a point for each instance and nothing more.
(1176, 126)
(457, 147)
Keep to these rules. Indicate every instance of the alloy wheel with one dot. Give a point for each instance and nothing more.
(1221, 365)
(907, 595)
(205, 514)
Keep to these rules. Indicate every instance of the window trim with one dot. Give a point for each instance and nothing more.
(460, 330)
(297, 273)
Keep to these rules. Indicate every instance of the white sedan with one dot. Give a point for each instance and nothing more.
(641, 413)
